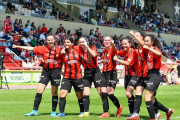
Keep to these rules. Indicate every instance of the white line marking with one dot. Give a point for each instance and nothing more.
(171, 118)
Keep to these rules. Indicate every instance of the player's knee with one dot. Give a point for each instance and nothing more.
(110, 96)
(40, 91)
(128, 94)
(86, 93)
(54, 93)
(139, 92)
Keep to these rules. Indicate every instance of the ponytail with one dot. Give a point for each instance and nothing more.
(156, 42)
(143, 34)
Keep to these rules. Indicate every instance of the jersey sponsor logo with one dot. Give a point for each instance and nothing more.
(57, 55)
(51, 61)
(133, 82)
(149, 84)
(148, 64)
(106, 60)
(72, 61)
(80, 86)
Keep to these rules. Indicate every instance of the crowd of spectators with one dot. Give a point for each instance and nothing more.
(39, 7)
(31, 35)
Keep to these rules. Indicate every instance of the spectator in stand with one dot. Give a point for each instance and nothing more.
(100, 16)
(32, 26)
(39, 30)
(12, 11)
(20, 22)
(125, 24)
(26, 40)
(98, 5)
(44, 28)
(7, 10)
(166, 15)
(21, 30)
(102, 21)
(34, 42)
(61, 16)
(15, 50)
(50, 31)
(68, 16)
(119, 21)
(26, 29)
(61, 27)
(84, 17)
(93, 20)
(9, 5)
(138, 4)
(2, 32)
(23, 56)
(42, 37)
(9, 29)
(21, 42)
(16, 25)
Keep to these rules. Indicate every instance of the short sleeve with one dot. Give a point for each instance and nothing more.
(131, 58)
(113, 53)
(39, 50)
(155, 56)
(121, 53)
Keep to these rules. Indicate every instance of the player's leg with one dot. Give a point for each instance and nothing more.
(41, 86)
(55, 82)
(111, 85)
(103, 85)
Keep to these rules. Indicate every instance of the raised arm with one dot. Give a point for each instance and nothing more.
(91, 52)
(24, 47)
(113, 46)
(140, 42)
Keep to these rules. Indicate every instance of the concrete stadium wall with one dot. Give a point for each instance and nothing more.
(75, 25)
(164, 6)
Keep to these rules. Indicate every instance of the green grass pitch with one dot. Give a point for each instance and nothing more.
(15, 103)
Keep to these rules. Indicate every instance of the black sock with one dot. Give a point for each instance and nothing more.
(105, 102)
(62, 103)
(137, 103)
(81, 105)
(150, 108)
(159, 106)
(155, 110)
(131, 104)
(86, 103)
(37, 101)
(54, 102)
(114, 100)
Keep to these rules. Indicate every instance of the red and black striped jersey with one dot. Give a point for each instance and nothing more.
(51, 57)
(132, 58)
(108, 63)
(72, 64)
(153, 61)
(142, 62)
(87, 60)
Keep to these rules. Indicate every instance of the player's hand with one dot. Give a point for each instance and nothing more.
(85, 44)
(145, 47)
(112, 41)
(14, 46)
(115, 58)
(63, 51)
(131, 33)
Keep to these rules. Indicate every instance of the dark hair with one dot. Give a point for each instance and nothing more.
(68, 32)
(155, 41)
(172, 69)
(142, 34)
(130, 41)
(70, 39)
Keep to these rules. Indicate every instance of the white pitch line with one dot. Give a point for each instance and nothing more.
(171, 118)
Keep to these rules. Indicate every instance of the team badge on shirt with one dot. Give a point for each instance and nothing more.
(57, 55)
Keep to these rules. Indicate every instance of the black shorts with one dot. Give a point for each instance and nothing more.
(53, 75)
(154, 79)
(67, 84)
(92, 75)
(142, 81)
(109, 79)
(130, 81)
